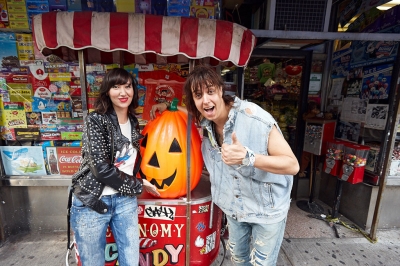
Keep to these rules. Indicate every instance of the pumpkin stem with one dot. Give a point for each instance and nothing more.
(174, 105)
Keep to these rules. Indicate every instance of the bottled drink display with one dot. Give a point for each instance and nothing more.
(53, 163)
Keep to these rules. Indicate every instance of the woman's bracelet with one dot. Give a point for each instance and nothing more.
(167, 104)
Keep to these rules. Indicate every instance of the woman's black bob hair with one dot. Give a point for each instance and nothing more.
(115, 76)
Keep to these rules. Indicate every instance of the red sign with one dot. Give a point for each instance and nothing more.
(69, 159)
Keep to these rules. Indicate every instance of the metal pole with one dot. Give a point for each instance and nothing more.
(82, 78)
(326, 77)
(392, 126)
(188, 194)
(240, 81)
(338, 196)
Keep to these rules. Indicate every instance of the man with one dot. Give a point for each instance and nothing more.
(251, 166)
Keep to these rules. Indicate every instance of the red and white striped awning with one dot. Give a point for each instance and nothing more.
(143, 38)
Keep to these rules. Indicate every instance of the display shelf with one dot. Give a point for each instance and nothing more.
(15, 30)
(39, 181)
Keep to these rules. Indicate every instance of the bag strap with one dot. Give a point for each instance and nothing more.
(69, 246)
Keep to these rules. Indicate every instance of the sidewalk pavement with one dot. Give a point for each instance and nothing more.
(307, 241)
(50, 249)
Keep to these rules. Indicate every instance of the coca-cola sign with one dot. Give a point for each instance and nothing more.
(69, 159)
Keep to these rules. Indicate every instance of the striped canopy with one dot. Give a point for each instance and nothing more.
(142, 38)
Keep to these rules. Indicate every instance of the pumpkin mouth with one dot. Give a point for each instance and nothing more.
(166, 182)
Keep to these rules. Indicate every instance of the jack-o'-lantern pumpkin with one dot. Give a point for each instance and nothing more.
(164, 153)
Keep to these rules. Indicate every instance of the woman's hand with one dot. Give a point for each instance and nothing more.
(151, 189)
(160, 107)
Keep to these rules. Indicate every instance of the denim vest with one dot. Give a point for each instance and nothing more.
(248, 194)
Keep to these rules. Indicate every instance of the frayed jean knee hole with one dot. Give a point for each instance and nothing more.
(230, 246)
(257, 257)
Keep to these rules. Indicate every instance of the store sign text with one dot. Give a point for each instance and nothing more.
(160, 230)
(160, 257)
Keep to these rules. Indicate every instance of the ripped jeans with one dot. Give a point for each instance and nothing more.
(90, 231)
(265, 240)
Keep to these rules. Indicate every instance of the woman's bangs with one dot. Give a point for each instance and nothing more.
(121, 79)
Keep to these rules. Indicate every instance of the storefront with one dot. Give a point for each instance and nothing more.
(364, 203)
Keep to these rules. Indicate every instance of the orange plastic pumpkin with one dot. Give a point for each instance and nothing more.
(164, 151)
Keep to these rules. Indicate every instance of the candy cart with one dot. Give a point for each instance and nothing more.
(183, 231)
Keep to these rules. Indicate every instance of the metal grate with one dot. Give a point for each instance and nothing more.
(300, 15)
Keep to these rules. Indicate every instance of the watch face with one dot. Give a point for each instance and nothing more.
(246, 161)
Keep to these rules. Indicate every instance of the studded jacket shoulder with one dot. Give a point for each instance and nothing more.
(102, 136)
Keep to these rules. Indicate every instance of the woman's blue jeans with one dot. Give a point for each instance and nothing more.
(265, 239)
(90, 230)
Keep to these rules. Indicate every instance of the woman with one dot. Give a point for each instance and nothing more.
(251, 166)
(105, 194)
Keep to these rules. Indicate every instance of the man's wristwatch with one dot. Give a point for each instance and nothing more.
(250, 158)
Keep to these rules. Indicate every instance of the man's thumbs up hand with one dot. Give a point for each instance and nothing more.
(235, 141)
(233, 153)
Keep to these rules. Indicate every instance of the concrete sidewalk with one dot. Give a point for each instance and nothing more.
(342, 251)
(50, 249)
(307, 241)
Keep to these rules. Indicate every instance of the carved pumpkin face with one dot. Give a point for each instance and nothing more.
(163, 149)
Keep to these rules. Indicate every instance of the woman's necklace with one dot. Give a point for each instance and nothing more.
(218, 137)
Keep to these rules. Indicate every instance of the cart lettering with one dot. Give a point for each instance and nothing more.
(161, 256)
(165, 230)
(111, 252)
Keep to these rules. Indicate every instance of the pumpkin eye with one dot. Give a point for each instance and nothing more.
(154, 161)
(175, 147)
(144, 141)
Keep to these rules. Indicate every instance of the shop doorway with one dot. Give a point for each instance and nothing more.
(279, 81)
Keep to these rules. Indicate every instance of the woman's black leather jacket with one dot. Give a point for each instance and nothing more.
(102, 138)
